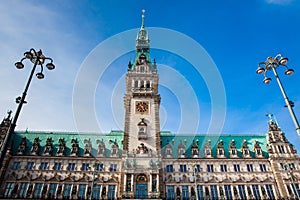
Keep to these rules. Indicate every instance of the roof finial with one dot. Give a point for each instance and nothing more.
(272, 118)
(143, 17)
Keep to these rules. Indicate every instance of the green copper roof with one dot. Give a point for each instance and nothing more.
(82, 138)
(117, 136)
(142, 45)
(189, 140)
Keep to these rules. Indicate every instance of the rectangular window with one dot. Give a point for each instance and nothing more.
(233, 151)
(292, 166)
(223, 168)
(67, 191)
(246, 152)
(236, 167)
(210, 168)
(170, 191)
(250, 167)
(270, 191)
(85, 167)
(214, 191)
(57, 166)
(258, 151)
(283, 166)
(185, 192)
(262, 167)
(99, 167)
(9, 188)
(256, 191)
(181, 151)
(281, 149)
(111, 192)
(296, 189)
(113, 167)
(242, 192)
(228, 193)
(182, 168)
(168, 151)
(16, 165)
(71, 166)
(81, 191)
(169, 168)
(37, 190)
(207, 151)
(43, 165)
(220, 151)
(23, 190)
(197, 168)
(52, 190)
(30, 165)
(96, 191)
(200, 192)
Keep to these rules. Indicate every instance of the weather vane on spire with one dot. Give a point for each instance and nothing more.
(143, 11)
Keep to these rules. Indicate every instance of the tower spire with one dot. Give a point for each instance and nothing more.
(142, 47)
(143, 19)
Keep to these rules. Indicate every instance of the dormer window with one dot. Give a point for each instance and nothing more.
(114, 150)
(61, 147)
(232, 149)
(220, 149)
(35, 147)
(245, 149)
(142, 127)
(22, 147)
(101, 149)
(257, 150)
(207, 149)
(168, 151)
(194, 149)
(87, 152)
(75, 147)
(48, 148)
(181, 150)
(220, 152)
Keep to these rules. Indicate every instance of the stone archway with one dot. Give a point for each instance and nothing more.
(141, 187)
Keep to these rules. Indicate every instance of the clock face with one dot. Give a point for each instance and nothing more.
(142, 107)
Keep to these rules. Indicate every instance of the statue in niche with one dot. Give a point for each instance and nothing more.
(142, 149)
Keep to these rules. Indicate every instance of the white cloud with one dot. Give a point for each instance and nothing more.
(32, 25)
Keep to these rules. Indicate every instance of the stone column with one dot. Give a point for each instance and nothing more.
(150, 183)
(132, 182)
(116, 191)
(157, 183)
(125, 182)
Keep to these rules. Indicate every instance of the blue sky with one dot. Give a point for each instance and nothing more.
(235, 34)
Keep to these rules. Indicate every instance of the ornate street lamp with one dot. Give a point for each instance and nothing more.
(38, 59)
(273, 64)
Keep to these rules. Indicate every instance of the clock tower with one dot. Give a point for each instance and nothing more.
(142, 100)
(141, 144)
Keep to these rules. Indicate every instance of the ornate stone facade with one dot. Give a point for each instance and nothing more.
(143, 162)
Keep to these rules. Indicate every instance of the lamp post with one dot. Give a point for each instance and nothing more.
(273, 64)
(195, 179)
(93, 180)
(38, 59)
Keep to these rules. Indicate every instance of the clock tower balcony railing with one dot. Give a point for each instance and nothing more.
(142, 90)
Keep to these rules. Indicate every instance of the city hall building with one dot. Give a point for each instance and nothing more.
(143, 162)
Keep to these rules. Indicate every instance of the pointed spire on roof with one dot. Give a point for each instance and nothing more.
(142, 46)
(273, 125)
(143, 19)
